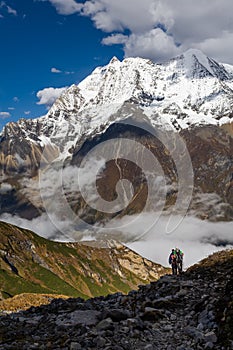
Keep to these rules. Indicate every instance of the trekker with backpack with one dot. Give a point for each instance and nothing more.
(176, 261)
(180, 256)
(173, 261)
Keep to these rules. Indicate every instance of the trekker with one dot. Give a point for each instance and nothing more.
(179, 255)
(173, 261)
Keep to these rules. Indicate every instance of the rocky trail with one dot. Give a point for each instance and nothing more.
(190, 311)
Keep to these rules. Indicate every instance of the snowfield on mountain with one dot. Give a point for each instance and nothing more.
(191, 89)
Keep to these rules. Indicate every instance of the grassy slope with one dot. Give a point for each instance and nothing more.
(32, 264)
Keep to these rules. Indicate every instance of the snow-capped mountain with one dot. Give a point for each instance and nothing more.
(190, 94)
(188, 90)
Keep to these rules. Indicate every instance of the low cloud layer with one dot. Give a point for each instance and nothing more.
(150, 235)
(195, 237)
(160, 29)
(42, 225)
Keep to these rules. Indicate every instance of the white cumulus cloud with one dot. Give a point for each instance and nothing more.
(55, 70)
(160, 29)
(115, 39)
(5, 115)
(65, 7)
(152, 44)
(11, 11)
(8, 9)
(49, 95)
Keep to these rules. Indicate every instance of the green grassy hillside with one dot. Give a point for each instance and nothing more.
(32, 264)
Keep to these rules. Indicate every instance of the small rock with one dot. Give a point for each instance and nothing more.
(105, 324)
(187, 284)
(100, 342)
(209, 345)
(182, 347)
(151, 314)
(194, 333)
(163, 303)
(22, 319)
(200, 327)
(182, 293)
(118, 315)
(210, 337)
(168, 328)
(149, 347)
(203, 318)
(125, 329)
(75, 346)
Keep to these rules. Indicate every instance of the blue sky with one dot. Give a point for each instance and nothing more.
(47, 45)
(36, 40)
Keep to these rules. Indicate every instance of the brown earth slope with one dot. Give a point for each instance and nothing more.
(32, 264)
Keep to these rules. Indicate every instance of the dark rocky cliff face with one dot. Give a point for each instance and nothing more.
(210, 148)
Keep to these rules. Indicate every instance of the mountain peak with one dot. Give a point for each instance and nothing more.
(114, 60)
(191, 89)
(192, 55)
(194, 52)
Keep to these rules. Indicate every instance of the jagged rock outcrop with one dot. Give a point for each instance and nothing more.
(190, 311)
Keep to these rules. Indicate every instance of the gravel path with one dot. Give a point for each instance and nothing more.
(176, 312)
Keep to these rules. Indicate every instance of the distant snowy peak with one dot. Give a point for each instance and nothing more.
(118, 81)
(197, 65)
(191, 86)
(229, 69)
(191, 89)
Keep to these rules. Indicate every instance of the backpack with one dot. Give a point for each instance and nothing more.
(172, 259)
(179, 256)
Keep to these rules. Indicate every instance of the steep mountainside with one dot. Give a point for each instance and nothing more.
(191, 89)
(190, 311)
(32, 264)
(210, 149)
(191, 95)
